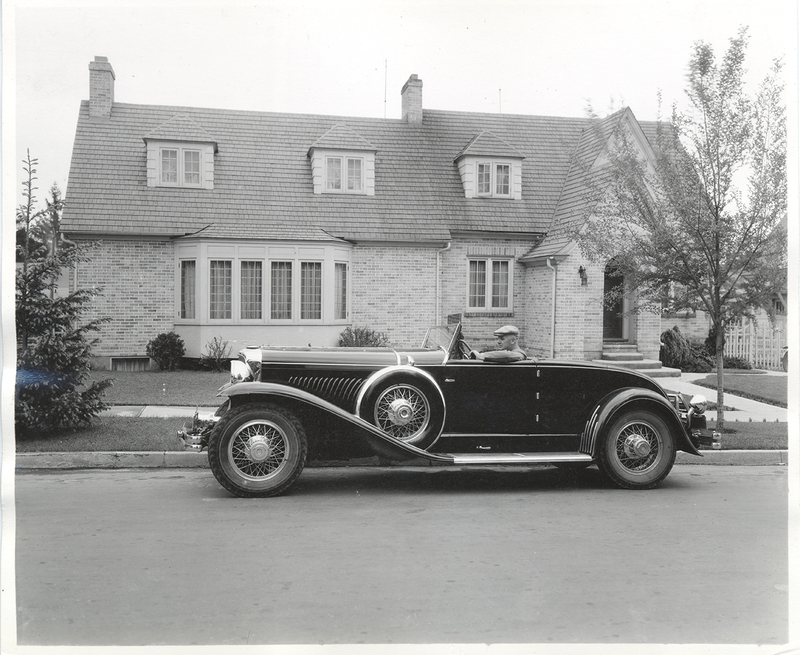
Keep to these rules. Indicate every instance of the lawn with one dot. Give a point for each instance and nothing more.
(163, 387)
(771, 389)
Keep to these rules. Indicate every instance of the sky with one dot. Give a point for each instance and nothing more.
(352, 57)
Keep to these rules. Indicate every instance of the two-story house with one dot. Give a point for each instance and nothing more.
(284, 229)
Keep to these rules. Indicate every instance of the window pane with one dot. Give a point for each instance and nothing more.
(484, 178)
(191, 167)
(310, 290)
(281, 290)
(340, 291)
(251, 290)
(188, 269)
(477, 283)
(499, 284)
(503, 179)
(354, 175)
(334, 173)
(221, 288)
(169, 166)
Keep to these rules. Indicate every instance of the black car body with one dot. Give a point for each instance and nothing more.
(435, 404)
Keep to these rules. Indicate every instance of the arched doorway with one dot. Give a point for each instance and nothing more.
(615, 313)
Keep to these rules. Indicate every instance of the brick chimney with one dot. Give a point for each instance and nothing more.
(101, 87)
(412, 100)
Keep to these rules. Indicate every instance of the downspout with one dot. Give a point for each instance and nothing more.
(552, 310)
(438, 293)
(74, 268)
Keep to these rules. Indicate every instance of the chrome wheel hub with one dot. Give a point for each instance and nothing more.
(257, 448)
(636, 446)
(400, 411)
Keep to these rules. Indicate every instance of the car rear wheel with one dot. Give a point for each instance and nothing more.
(638, 450)
(257, 450)
(406, 409)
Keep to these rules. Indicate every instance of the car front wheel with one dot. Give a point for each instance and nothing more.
(257, 450)
(638, 450)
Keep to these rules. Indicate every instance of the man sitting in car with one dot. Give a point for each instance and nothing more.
(509, 351)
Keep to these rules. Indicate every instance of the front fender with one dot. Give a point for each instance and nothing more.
(610, 406)
(382, 443)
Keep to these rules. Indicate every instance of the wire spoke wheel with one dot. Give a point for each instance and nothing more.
(257, 449)
(637, 451)
(638, 446)
(402, 411)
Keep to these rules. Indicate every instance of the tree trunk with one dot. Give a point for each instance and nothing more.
(720, 383)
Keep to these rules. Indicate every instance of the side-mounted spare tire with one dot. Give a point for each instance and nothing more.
(257, 450)
(405, 406)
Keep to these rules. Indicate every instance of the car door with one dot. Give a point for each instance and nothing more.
(490, 398)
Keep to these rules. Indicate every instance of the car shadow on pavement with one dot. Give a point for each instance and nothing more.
(381, 480)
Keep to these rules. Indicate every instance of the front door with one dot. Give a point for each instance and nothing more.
(614, 312)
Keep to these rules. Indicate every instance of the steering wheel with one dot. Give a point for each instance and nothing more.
(463, 349)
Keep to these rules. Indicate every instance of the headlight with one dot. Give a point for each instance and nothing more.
(240, 372)
(698, 403)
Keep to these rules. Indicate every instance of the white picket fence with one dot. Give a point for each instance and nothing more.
(760, 343)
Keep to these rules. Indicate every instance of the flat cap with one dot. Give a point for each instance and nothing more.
(506, 329)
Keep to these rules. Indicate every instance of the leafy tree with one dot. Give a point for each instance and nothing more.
(699, 224)
(53, 347)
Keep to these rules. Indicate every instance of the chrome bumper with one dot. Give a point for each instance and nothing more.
(194, 435)
(709, 438)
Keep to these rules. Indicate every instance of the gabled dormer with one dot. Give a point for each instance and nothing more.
(180, 153)
(490, 168)
(343, 162)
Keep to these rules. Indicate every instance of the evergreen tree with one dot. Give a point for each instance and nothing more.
(53, 346)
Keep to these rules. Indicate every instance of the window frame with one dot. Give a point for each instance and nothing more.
(181, 151)
(344, 175)
(181, 287)
(489, 283)
(494, 165)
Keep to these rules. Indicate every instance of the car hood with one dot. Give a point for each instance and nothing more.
(377, 357)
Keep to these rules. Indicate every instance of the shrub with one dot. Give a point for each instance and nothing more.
(217, 355)
(736, 362)
(678, 352)
(363, 337)
(166, 349)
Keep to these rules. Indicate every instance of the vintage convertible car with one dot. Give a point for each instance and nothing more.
(436, 405)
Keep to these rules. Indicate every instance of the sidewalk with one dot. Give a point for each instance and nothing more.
(743, 410)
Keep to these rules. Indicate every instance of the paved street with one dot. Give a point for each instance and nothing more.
(366, 555)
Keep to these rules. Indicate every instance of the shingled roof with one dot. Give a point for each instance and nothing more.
(262, 175)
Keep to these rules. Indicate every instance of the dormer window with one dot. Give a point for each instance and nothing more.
(180, 153)
(342, 161)
(344, 174)
(490, 168)
(180, 167)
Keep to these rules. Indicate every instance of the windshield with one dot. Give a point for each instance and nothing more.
(441, 337)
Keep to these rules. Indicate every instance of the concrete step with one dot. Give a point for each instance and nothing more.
(618, 345)
(622, 356)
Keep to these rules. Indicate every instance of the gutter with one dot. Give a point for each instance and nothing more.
(552, 309)
(438, 282)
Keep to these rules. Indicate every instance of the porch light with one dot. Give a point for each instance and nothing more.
(584, 277)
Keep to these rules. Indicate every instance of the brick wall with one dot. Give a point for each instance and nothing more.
(138, 293)
(393, 291)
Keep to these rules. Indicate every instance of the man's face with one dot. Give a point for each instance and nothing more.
(506, 341)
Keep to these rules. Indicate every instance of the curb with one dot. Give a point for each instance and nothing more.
(190, 459)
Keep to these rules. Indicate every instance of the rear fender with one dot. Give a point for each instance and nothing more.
(607, 410)
(382, 443)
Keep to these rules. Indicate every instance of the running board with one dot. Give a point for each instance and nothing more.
(521, 458)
